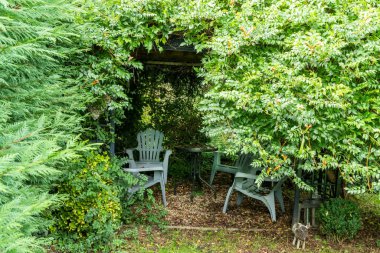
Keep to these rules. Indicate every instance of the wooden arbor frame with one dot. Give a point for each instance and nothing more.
(173, 54)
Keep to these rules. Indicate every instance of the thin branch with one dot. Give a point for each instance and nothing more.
(19, 140)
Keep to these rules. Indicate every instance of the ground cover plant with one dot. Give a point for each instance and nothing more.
(191, 241)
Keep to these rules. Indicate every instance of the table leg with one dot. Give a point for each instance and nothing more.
(193, 176)
(200, 177)
(194, 163)
(210, 186)
(196, 160)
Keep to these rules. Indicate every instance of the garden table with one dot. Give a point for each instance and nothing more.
(195, 159)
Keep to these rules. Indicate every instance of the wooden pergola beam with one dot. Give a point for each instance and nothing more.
(171, 63)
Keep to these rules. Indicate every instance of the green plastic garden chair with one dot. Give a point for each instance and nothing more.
(242, 163)
(149, 148)
(244, 184)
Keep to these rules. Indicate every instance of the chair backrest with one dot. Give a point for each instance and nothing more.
(150, 145)
(244, 161)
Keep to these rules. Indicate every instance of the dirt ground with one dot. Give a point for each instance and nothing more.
(251, 219)
(206, 211)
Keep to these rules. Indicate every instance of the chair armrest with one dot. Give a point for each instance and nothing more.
(252, 176)
(130, 153)
(132, 163)
(245, 175)
(228, 166)
(167, 154)
(165, 164)
(134, 170)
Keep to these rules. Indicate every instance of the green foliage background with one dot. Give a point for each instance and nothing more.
(294, 82)
(297, 83)
(167, 96)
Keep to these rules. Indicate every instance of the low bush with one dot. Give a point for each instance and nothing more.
(339, 219)
(92, 210)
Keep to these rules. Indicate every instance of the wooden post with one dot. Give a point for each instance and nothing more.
(295, 218)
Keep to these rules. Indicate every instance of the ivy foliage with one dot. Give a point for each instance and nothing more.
(115, 31)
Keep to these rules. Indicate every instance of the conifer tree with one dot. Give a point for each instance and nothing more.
(39, 114)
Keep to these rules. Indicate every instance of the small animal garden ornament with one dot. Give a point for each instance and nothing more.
(300, 234)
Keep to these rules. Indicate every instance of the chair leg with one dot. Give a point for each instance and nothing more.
(280, 199)
(163, 191)
(240, 198)
(269, 202)
(213, 172)
(225, 207)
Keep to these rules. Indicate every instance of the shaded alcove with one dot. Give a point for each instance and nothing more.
(163, 95)
(171, 74)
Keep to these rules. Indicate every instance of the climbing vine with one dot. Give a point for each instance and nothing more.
(294, 82)
(297, 83)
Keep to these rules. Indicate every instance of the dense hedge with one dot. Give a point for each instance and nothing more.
(40, 115)
(297, 83)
